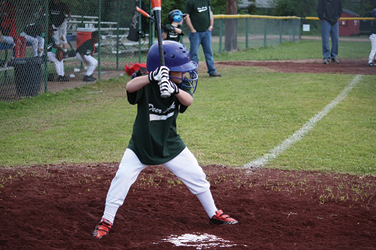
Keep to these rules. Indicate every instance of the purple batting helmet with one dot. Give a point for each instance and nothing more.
(177, 59)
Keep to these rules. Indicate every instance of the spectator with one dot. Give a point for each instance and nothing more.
(372, 37)
(329, 11)
(55, 55)
(174, 30)
(200, 23)
(8, 32)
(33, 34)
(58, 10)
(85, 55)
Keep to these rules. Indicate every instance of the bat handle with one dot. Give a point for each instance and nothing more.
(157, 14)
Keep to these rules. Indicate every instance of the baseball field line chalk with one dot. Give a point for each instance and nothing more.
(298, 135)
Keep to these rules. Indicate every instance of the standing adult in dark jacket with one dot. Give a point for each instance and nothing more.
(329, 11)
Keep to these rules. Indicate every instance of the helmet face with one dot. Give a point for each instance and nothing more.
(177, 59)
(175, 16)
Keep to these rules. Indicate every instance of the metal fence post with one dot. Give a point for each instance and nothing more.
(300, 29)
(280, 31)
(117, 35)
(293, 30)
(265, 31)
(220, 35)
(46, 6)
(246, 33)
(99, 35)
(139, 32)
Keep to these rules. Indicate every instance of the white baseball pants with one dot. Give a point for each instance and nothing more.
(8, 40)
(373, 48)
(37, 43)
(184, 166)
(60, 33)
(92, 63)
(59, 65)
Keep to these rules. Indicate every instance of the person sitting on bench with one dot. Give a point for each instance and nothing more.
(8, 30)
(33, 34)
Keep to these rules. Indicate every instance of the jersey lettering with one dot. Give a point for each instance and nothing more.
(202, 9)
(157, 114)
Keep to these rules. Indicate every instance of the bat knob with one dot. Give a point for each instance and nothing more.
(165, 94)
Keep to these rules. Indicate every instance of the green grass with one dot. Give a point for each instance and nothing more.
(305, 49)
(233, 120)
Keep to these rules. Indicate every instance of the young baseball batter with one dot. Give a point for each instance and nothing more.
(155, 140)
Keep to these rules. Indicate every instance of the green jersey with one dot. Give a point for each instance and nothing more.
(171, 34)
(154, 139)
(199, 13)
(87, 48)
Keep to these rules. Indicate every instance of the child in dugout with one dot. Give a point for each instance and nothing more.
(85, 54)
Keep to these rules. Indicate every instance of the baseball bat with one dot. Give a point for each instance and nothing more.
(145, 14)
(157, 9)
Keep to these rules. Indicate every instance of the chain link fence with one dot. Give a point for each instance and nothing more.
(30, 63)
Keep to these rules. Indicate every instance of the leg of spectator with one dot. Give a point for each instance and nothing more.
(371, 57)
(334, 34)
(57, 36)
(206, 42)
(194, 39)
(52, 58)
(92, 65)
(63, 36)
(325, 29)
(8, 40)
(33, 41)
(79, 57)
(40, 45)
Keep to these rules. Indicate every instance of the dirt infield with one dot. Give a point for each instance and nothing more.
(345, 66)
(57, 207)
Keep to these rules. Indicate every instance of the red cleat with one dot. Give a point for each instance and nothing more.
(102, 229)
(222, 218)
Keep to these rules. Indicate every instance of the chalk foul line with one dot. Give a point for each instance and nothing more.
(298, 135)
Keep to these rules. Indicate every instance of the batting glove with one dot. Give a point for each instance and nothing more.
(167, 88)
(159, 73)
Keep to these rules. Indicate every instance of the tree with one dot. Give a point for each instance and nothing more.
(231, 26)
(301, 8)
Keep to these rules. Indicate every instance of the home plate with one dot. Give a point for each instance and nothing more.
(200, 241)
